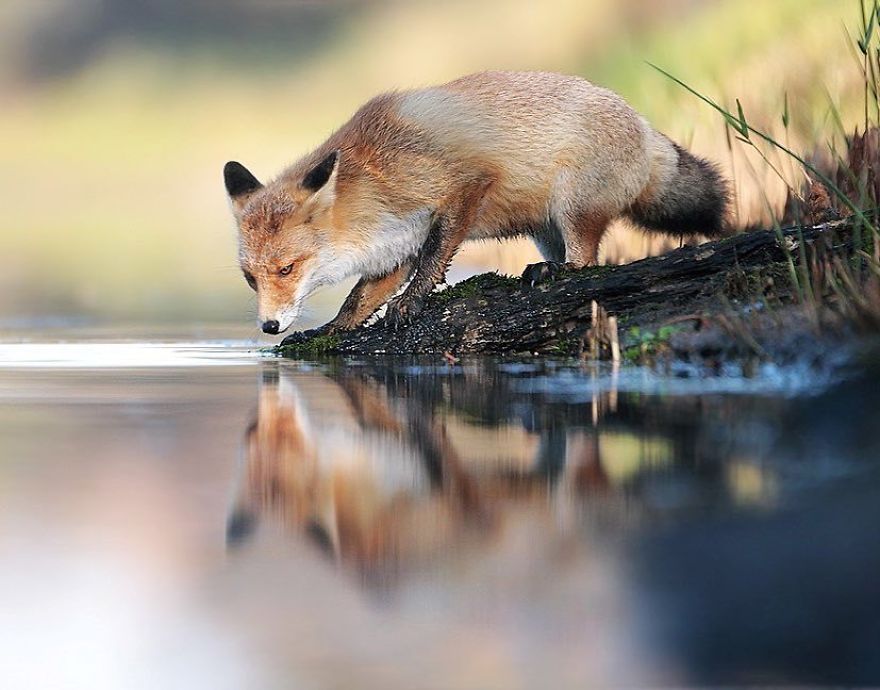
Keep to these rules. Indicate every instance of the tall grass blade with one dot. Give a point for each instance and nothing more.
(785, 114)
(822, 177)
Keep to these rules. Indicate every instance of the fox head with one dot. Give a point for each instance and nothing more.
(283, 474)
(284, 228)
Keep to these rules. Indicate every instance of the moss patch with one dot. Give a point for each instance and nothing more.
(592, 271)
(475, 286)
(319, 345)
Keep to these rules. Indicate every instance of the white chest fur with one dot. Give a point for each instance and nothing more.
(394, 241)
(375, 252)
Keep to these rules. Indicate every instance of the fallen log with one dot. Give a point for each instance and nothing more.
(494, 314)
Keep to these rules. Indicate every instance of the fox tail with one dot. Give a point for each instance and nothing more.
(690, 198)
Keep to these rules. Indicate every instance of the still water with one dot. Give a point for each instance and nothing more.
(199, 514)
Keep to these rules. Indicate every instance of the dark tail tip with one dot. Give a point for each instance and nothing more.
(696, 201)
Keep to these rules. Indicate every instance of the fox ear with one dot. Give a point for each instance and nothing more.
(320, 182)
(320, 175)
(240, 183)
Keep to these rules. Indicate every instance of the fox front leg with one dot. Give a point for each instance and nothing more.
(429, 269)
(365, 298)
(448, 230)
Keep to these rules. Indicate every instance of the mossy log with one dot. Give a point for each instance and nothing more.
(493, 314)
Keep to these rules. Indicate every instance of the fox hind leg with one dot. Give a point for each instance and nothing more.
(580, 235)
(550, 243)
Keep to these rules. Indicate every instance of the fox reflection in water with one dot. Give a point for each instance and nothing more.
(385, 470)
(736, 556)
(382, 482)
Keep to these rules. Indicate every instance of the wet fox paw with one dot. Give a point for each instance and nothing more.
(535, 274)
(401, 311)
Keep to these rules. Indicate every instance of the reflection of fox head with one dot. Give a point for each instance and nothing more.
(285, 228)
(361, 492)
(280, 462)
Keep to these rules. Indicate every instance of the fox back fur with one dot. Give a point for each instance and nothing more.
(393, 193)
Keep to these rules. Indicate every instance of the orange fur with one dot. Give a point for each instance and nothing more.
(495, 154)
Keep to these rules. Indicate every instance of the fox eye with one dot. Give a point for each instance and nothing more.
(286, 270)
(250, 280)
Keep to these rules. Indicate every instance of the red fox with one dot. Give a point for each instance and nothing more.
(366, 488)
(393, 193)
(386, 482)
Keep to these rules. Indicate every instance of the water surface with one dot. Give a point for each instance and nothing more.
(199, 514)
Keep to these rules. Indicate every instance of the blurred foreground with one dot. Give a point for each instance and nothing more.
(195, 516)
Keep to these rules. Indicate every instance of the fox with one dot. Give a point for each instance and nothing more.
(385, 485)
(393, 193)
(367, 491)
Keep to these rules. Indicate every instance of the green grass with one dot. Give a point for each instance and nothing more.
(565, 346)
(643, 346)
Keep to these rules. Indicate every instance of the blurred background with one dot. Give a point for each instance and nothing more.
(119, 115)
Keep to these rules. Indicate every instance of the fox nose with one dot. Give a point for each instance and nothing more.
(270, 327)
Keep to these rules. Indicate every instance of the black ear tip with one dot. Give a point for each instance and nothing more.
(233, 171)
(317, 177)
(238, 179)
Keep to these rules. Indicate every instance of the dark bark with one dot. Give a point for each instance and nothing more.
(494, 314)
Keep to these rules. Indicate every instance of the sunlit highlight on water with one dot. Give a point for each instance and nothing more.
(126, 355)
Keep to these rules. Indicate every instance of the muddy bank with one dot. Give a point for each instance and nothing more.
(715, 300)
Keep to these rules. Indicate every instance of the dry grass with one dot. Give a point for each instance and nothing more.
(855, 171)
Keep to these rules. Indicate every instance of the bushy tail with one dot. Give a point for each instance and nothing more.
(693, 199)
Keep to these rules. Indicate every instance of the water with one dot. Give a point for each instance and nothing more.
(201, 515)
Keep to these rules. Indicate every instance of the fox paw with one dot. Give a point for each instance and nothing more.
(401, 311)
(535, 274)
